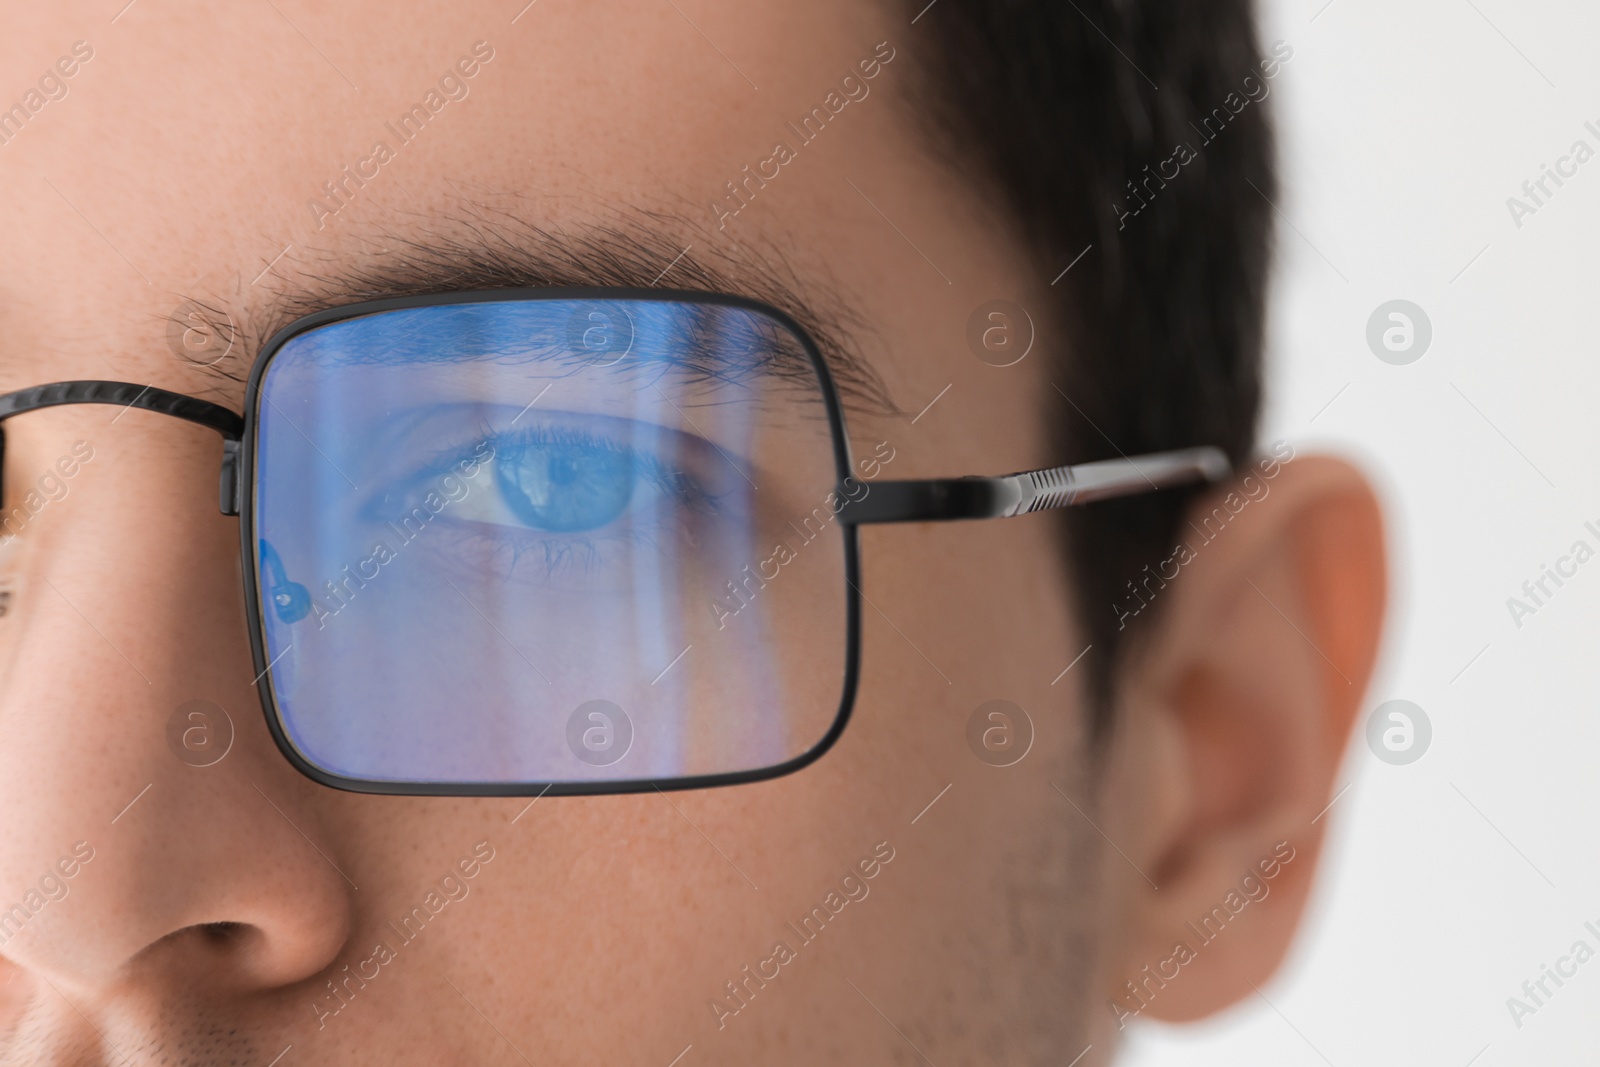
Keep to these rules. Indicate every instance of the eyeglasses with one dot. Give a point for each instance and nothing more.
(563, 541)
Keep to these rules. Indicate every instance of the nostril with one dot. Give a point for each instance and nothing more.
(230, 932)
(231, 956)
(216, 953)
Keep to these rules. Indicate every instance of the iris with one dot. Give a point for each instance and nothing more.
(566, 485)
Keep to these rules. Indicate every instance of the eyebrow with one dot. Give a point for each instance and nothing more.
(479, 248)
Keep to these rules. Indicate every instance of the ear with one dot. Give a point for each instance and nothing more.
(1234, 716)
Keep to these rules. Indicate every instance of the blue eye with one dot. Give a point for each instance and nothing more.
(568, 496)
(565, 485)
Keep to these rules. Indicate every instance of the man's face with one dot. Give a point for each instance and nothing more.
(236, 912)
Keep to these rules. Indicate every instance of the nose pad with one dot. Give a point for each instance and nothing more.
(291, 601)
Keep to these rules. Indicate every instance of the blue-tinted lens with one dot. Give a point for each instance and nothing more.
(548, 541)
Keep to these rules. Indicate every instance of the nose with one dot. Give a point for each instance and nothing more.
(153, 832)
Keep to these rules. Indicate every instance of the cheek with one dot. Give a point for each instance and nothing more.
(981, 611)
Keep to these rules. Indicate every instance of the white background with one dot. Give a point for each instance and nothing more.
(1449, 882)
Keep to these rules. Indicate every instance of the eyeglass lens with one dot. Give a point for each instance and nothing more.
(549, 541)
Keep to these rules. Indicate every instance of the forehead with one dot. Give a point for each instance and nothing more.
(187, 148)
(288, 156)
(288, 92)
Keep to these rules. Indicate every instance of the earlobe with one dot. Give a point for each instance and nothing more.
(1237, 711)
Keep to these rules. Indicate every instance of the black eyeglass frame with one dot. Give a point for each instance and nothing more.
(920, 500)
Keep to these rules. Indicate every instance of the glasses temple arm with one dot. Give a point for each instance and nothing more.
(944, 499)
(927, 500)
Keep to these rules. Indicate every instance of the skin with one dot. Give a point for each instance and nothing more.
(218, 906)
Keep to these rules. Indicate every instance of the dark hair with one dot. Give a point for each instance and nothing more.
(1071, 112)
